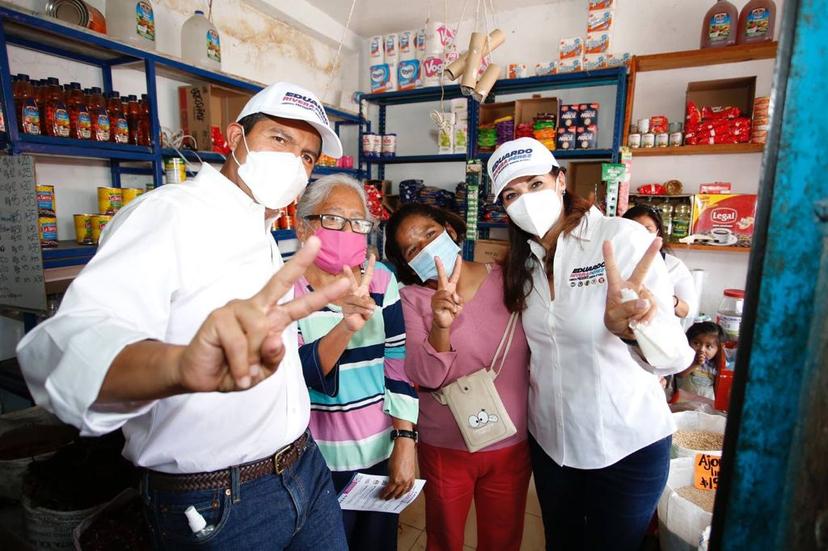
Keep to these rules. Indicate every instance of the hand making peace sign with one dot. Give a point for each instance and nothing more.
(358, 306)
(446, 303)
(618, 315)
(240, 344)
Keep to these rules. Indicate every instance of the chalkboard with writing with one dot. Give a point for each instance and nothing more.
(21, 262)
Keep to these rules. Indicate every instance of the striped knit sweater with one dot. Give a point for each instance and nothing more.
(351, 408)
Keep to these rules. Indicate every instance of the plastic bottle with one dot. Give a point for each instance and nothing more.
(28, 115)
(200, 42)
(719, 27)
(729, 314)
(756, 21)
(56, 114)
(144, 122)
(133, 116)
(99, 114)
(80, 121)
(132, 21)
(118, 125)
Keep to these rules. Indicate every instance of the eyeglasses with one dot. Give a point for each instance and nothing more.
(336, 222)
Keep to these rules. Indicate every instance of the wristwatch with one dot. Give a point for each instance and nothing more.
(399, 433)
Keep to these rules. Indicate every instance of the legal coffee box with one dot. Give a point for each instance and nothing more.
(727, 218)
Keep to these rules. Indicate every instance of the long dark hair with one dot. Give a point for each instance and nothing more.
(517, 273)
(639, 211)
(392, 249)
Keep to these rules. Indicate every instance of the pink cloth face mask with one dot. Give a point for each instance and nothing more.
(340, 249)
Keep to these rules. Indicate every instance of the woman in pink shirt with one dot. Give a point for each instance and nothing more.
(453, 327)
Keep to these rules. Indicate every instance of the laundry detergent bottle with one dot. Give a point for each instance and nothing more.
(132, 21)
(200, 42)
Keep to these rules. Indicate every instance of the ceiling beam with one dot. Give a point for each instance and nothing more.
(309, 19)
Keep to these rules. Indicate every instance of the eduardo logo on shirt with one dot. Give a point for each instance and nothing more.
(588, 275)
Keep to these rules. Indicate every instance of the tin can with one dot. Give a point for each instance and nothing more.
(110, 199)
(676, 139)
(644, 126)
(130, 194)
(45, 200)
(389, 145)
(634, 140)
(648, 140)
(176, 170)
(83, 229)
(367, 144)
(77, 12)
(376, 145)
(99, 222)
(662, 139)
(47, 231)
(676, 127)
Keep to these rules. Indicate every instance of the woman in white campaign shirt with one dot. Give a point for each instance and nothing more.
(599, 427)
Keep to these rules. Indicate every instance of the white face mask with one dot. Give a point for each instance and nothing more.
(536, 212)
(275, 178)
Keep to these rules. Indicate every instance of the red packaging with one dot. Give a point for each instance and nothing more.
(735, 212)
(659, 124)
(693, 116)
(715, 187)
(720, 112)
(651, 189)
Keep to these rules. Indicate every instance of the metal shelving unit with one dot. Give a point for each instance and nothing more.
(71, 42)
(616, 77)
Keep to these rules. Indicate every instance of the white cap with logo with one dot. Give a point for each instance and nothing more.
(520, 157)
(288, 101)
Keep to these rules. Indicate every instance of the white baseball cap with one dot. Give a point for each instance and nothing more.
(520, 157)
(288, 101)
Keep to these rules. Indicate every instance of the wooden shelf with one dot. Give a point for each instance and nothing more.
(707, 56)
(716, 149)
(713, 248)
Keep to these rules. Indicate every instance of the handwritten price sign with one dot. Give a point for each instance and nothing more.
(706, 471)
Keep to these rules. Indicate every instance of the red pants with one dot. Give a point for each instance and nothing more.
(497, 480)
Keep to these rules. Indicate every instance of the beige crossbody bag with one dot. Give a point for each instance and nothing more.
(475, 403)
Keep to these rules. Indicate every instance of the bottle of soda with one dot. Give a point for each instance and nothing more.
(144, 135)
(99, 115)
(28, 114)
(119, 128)
(57, 116)
(133, 115)
(80, 119)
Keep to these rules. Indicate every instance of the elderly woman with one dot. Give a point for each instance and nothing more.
(363, 408)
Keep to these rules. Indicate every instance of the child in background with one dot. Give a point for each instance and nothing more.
(706, 339)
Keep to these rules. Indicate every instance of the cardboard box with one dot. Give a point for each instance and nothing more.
(586, 137)
(490, 250)
(568, 117)
(204, 105)
(588, 114)
(571, 48)
(597, 43)
(527, 109)
(461, 136)
(735, 212)
(566, 138)
(593, 62)
(571, 65)
(584, 180)
(490, 112)
(735, 92)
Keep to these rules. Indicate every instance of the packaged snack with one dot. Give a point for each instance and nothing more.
(734, 213)
(544, 69)
(566, 138)
(597, 43)
(619, 60)
(571, 48)
(570, 65)
(659, 124)
(586, 137)
(517, 70)
(600, 4)
(599, 20)
(588, 114)
(569, 116)
(593, 62)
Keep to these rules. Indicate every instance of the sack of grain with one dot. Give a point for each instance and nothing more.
(680, 521)
(697, 432)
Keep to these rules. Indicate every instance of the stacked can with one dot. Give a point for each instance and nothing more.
(388, 147)
(761, 120)
(371, 145)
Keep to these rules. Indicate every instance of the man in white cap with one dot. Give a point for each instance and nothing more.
(181, 332)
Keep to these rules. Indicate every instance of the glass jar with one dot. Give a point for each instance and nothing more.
(729, 314)
(666, 210)
(681, 222)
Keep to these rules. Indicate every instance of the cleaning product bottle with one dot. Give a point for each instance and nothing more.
(99, 114)
(200, 42)
(118, 125)
(57, 116)
(756, 21)
(132, 21)
(719, 27)
(80, 122)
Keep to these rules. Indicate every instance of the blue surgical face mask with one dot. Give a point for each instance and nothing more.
(444, 248)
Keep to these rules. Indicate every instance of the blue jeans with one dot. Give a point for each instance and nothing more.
(605, 509)
(367, 530)
(296, 510)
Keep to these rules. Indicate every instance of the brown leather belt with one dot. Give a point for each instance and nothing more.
(274, 464)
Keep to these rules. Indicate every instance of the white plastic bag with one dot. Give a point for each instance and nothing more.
(680, 522)
(697, 420)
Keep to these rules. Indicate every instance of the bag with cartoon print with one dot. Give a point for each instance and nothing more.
(475, 403)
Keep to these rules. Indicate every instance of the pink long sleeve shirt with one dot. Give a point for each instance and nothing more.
(475, 335)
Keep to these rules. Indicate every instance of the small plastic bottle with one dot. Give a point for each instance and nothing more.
(80, 120)
(133, 116)
(99, 114)
(57, 116)
(719, 27)
(144, 136)
(28, 115)
(118, 125)
(197, 523)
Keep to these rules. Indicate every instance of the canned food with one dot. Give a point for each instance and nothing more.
(110, 199)
(389, 145)
(130, 194)
(45, 200)
(676, 139)
(47, 231)
(662, 139)
(176, 170)
(376, 145)
(675, 127)
(648, 140)
(83, 229)
(77, 12)
(644, 126)
(99, 222)
(367, 144)
(634, 140)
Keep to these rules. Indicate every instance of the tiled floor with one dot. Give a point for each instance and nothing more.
(412, 526)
